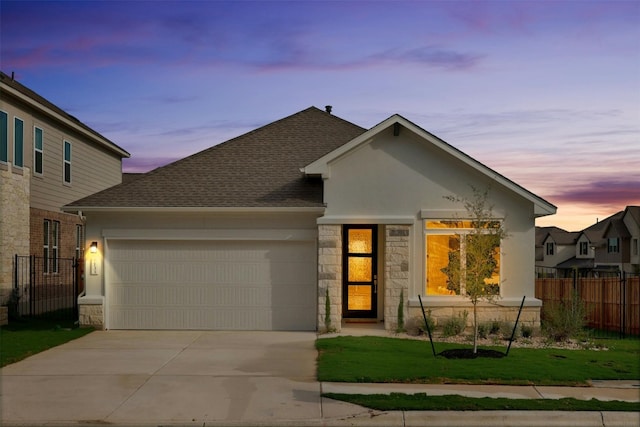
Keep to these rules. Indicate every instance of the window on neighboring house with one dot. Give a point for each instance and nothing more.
(613, 246)
(51, 233)
(37, 151)
(45, 251)
(584, 248)
(67, 162)
(445, 245)
(636, 246)
(550, 248)
(55, 240)
(4, 137)
(18, 142)
(79, 241)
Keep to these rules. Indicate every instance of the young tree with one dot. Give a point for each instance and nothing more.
(474, 262)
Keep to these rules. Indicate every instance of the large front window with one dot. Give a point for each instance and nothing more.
(452, 249)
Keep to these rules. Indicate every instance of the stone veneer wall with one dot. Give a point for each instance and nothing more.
(91, 315)
(330, 275)
(396, 273)
(486, 313)
(14, 224)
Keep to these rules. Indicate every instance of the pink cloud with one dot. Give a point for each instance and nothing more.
(605, 192)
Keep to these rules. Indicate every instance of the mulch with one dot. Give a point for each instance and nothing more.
(467, 353)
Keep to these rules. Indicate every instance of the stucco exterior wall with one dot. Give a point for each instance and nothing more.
(404, 180)
(14, 223)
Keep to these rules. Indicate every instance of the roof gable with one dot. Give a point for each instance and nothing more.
(321, 166)
(260, 169)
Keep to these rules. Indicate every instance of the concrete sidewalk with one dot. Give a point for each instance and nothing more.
(626, 391)
(200, 378)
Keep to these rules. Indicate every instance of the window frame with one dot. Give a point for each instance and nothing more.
(79, 241)
(462, 233)
(4, 137)
(550, 248)
(615, 247)
(17, 120)
(635, 243)
(55, 243)
(37, 151)
(46, 229)
(67, 162)
(584, 245)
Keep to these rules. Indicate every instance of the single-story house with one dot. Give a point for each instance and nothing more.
(257, 232)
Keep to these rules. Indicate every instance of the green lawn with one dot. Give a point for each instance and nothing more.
(422, 402)
(393, 360)
(24, 338)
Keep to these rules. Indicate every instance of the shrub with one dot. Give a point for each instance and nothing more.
(400, 327)
(483, 330)
(413, 326)
(327, 313)
(526, 331)
(506, 329)
(564, 320)
(455, 324)
(495, 327)
(430, 320)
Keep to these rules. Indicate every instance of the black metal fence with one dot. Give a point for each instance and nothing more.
(45, 288)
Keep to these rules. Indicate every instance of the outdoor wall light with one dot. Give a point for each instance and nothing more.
(94, 247)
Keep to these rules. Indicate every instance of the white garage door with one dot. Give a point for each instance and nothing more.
(243, 285)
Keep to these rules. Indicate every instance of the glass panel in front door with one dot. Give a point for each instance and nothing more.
(359, 297)
(360, 271)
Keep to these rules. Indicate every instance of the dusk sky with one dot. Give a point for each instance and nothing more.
(546, 93)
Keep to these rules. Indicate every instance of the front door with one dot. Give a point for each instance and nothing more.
(360, 274)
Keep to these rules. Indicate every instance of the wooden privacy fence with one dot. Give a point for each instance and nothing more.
(613, 303)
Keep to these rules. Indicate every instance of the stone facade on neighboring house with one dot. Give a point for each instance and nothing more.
(14, 224)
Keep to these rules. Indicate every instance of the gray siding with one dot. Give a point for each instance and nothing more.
(93, 168)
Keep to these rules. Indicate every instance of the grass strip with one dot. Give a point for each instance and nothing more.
(23, 338)
(422, 402)
(394, 360)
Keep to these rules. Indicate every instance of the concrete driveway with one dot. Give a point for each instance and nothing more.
(155, 377)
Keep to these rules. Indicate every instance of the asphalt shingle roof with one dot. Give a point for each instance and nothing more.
(258, 169)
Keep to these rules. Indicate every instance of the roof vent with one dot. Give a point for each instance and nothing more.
(328, 108)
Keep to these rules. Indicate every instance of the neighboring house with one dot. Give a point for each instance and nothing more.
(254, 233)
(555, 246)
(631, 220)
(609, 246)
(617, 250)
(47, 159)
